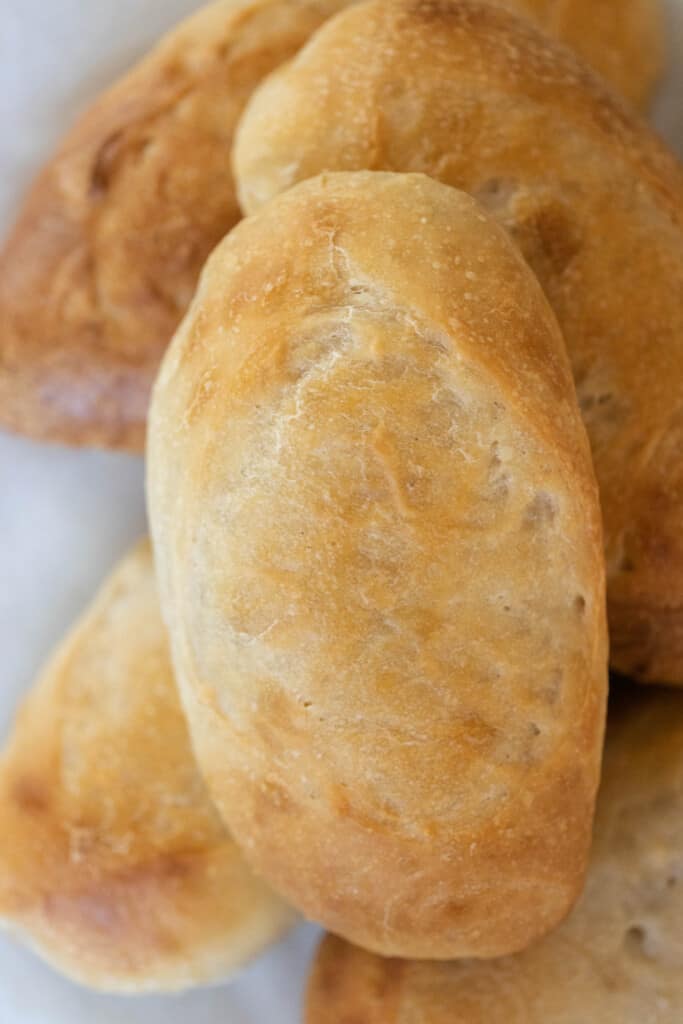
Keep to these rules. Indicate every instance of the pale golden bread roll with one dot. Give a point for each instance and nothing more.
(480, 100)
(106, 252)
(378, 542)
(618, 959)
(114, 864)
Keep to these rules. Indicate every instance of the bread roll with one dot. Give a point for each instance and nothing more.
(114, 864)
(618, 959)
(470, 95)
(378, 542)
(106, 252)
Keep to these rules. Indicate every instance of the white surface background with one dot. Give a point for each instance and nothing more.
(66, 517)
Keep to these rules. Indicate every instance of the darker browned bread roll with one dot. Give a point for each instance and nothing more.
(106, 253)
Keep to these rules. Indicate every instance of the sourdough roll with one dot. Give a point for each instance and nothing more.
(114, 864)
(105, 255)
(379, 548)
(618, 959)
(468, 94)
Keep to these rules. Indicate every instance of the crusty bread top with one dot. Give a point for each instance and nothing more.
(105, 255)
(378, 542)
(482, 101)
(113, 861)
(618, 959)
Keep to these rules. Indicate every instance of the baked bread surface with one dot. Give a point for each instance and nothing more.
(104, 258)
(618, 959)
(621, 39)
(480, 100)
(114, 864)
(378, 541)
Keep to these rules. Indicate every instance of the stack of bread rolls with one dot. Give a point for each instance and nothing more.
(414, 463)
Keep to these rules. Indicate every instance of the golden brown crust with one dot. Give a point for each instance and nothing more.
(621, 39)
(106, 253)
(618, 959)
(481, 101)
(113, 861)
(379, 549)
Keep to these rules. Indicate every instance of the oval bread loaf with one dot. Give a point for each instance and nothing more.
(114, 863)
(481, 101)
(378, 541)
(618, 959)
